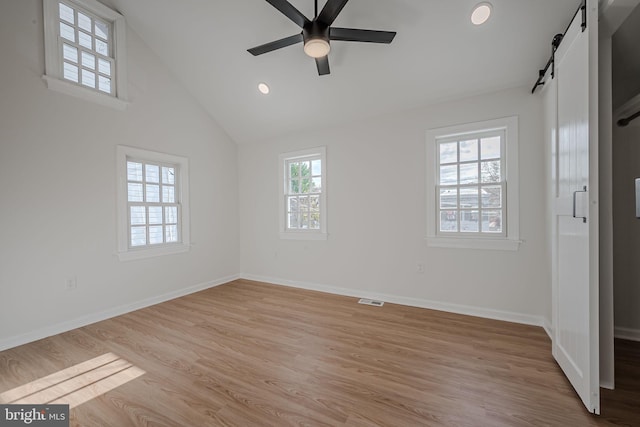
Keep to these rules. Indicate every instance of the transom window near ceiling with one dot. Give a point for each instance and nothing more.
(85, 51)
(86, 46)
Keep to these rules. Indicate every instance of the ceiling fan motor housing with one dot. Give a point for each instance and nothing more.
(315, 30)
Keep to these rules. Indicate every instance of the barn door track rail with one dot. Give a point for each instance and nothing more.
(555, 44)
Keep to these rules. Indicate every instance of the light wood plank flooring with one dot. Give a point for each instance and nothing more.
(252, 354)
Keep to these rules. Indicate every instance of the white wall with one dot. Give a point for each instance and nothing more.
(376, 216)
(57, 188)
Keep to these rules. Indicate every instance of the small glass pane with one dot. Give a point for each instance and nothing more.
(490, 148)
(448, 175)
(70, 72)
(316, 185)
(168, 175)
(494, 222)
(293, 220)
(155, 215)
(88, 78)
(314, 220)
(84, 22)
(104, 84)
(448, 198)
(469, 173)
(305, 169)
(134, 171)
(135, 193)
(314, 203)
(171, 214)
(104, 67)
(448, 221)
(168, 194)
(294, 169)
(469, 197)
(316, 167)
(85, 40)
(305, 185)
(448, 152)
(69, 53)
(67, 32)
(152, 173)
(303, 203)
(138, 236)
(153, 193)
(155, 235)
(292, 204)
(88, 60)
(294, 186)
(171, 233)
(304, 220)
(469, 222)
(102, 48)
(491, 197)
(66, 13)
(102, 30)
(468, 150)
(491, 171)
(138, 215)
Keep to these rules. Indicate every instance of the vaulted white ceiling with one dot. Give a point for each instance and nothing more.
(437, 55)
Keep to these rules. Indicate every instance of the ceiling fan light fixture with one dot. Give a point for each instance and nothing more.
(481, 13)
(317, 48)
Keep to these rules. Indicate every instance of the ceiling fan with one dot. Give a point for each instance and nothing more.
(318, 32)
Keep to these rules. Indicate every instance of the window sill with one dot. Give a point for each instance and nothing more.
(293, 235)
(67, 88)
(135, 254)
(474, 243)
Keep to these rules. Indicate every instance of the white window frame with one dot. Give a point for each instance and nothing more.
(509, 239)
(298, 234)
(53, 56)
(127, 253)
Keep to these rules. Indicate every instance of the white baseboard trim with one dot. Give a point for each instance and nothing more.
(79, 322)
(606, 384)
(487, 313)
(627, 333)
(548, 328)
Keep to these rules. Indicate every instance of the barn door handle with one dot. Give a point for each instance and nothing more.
(584, 190)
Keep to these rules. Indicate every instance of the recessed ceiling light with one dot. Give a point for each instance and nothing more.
(481, 13)
(263, 88)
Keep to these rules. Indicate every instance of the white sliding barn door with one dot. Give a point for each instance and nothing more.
(571, 113)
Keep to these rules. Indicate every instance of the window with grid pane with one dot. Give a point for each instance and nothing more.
(85, 50)
(153, 203)
(153, 210)
(86, 46)
(303, 195)
(471, 186)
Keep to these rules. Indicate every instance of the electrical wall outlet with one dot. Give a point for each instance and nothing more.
(420, 267)
(71, 284)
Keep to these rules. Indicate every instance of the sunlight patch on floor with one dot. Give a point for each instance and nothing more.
(77, 384)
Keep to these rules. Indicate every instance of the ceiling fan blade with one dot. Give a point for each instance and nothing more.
(330, 11)
(288, 10)
(356, 35)
(323, 65)
(278, 44)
